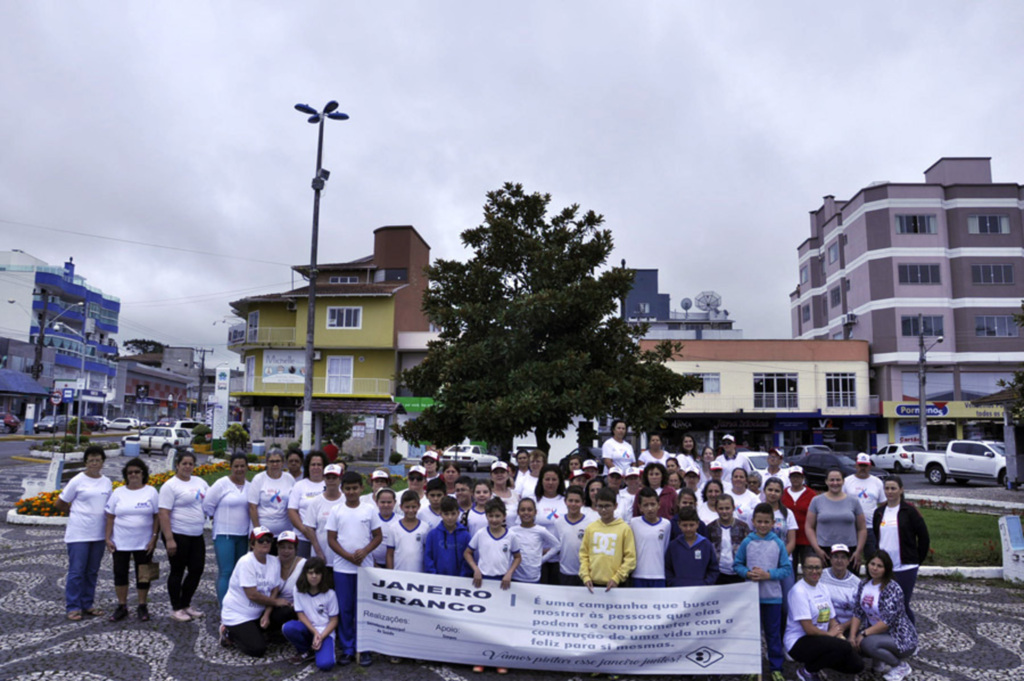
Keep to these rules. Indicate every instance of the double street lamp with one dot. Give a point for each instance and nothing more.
(922, 403)
(319, 179)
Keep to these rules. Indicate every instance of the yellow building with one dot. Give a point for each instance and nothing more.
(363, 310)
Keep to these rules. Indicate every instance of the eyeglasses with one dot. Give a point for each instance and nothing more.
(416, 478)
(264, 540)
(134, 471)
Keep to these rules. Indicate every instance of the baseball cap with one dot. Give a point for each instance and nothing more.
(499, 466)
(590, 463)
(615, 471)
(728, 438)
(691, 471)
(333, 469)
(430, 455)
(418, 469)
(287, 535)
(259, 531)
(840, 548)
(715, 465)
(795, 470)
(380, 475)
(633, 470)
(863, 459)
(577, 473)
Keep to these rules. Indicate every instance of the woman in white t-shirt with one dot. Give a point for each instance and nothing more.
(228, 504)
(305, 492)
(132, 528)
(880, 628)
(268, 495)
(616, 452)
(85, 496)
(181, 524)
(813, 636)
(252, 598)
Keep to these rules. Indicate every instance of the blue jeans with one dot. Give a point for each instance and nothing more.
(771, 625)
(84, 559)
(302, 638)
(229, 549)
(345, 586)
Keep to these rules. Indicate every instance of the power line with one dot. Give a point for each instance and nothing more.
(143, 243)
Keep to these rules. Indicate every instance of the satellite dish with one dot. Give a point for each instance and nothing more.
(709, 300)
(686, 303)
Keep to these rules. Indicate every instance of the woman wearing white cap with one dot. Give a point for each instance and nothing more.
(501, 490)
(253, 593)
(315, 516)
(291, 568)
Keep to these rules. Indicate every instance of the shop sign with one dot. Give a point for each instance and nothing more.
(952, 409)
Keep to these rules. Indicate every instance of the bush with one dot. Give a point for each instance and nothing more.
(200, 434)
(396, 458)
(236, 436)
(293, 446)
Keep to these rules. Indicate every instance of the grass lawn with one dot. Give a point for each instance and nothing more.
(967, 539)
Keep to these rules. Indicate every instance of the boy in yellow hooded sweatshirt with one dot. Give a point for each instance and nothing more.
(608, 551)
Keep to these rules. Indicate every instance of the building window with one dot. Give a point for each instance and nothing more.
(345, 279)
(932, 325)
(835, 297)
(643, 308)
(839, 335)
(998, 326)
(344, 317)
(805, 312)
(833, 252)
(992, 274)
(919, 274)
(709, 383)
(775, 391)
(915, 224)
(988, 224)
(805, 274)
(841, 390)
(250, 374)
(252, 327)
(339, 375)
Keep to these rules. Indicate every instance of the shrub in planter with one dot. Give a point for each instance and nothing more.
(236, 436)
(396, 458)
(200, 434)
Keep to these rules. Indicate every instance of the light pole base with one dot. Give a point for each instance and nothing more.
(307, 431)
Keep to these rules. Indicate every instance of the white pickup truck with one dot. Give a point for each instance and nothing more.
(964, 460)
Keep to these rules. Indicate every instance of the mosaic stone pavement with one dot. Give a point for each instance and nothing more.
(969, 630)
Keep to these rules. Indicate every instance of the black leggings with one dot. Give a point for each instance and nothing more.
(250, 639)
(826, 652)
(121, 561)
(191, 556)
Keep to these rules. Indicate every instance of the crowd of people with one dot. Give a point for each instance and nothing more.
(289, 543)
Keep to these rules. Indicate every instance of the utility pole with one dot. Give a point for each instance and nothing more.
(37, 368)
(202, 379)
(922, 403)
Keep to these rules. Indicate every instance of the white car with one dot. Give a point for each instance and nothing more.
(468, 456)
(896, 458)
(160, 438)
(124, 423)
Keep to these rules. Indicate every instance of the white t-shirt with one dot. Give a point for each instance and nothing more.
(570, 537)
(870, 492)
(354, 527)
(842, 591)
(783, 525)
(549, 510)
(316, 515)
(807, 602)
(429, 518)
(511, 509)
(726, 557)
(526, 486)
(133, 511)
(249, 572)
(532, 543)
(651, 544)
(620, 453)
(318, 609)
(408, 545)
(624, 505)
(889, 538)
(869, 598)
(745, 504)
(88, 497)
(729, 465)
(646, 457)
(229, 505)
(706, 514)
(271, 499)
(387, 526)
(302, 495)
(493, 554)
(476, 520)
(782, 475)
(184, 499)
(288, 586)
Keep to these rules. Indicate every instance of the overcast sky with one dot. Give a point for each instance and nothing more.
(704, 132)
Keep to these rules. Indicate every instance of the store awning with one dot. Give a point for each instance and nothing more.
(16, 383)
(339, 406)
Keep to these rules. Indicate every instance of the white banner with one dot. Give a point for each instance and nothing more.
(284, 366)
(693, 630)
(220, 400)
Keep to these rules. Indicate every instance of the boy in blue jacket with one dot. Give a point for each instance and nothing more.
(762, 558)
(690, 559)
(446, 544)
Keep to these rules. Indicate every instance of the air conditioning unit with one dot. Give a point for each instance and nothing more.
(291, 306)
(316, 355)
(850, 318)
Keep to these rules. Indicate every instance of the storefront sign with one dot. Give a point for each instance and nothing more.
(951, 409)
(284, 366)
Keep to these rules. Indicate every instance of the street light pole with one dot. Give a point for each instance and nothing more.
(318, 184)
(922, 403)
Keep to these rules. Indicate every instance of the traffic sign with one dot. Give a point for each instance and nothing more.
(69, 394)
(55, 397)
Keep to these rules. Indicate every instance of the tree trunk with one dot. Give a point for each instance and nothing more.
(542, 438)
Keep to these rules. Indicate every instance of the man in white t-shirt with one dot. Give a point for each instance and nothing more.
(870, 492)
(731, 459)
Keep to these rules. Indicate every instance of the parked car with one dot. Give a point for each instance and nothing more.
(160, 438)
(124, 423)
(816, 466)
(964, 460)
(11, 422)
(94, 423)
(468, 456)
(801, 450)
(896, 458)
(51, 424)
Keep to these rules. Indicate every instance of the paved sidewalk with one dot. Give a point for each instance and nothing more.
(969, 630)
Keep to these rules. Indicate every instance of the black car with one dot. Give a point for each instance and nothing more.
(816, 466)
(51, 424)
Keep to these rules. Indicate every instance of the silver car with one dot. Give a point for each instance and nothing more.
(468, 456)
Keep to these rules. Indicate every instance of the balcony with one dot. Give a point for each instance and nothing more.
(267, 336)
(329, 387)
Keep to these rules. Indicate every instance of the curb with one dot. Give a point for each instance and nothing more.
(14, 518)
(966, 502)
(966, 572)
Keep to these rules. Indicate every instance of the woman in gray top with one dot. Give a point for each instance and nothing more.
(836, 518)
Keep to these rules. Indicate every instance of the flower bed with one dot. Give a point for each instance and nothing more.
(45, 504)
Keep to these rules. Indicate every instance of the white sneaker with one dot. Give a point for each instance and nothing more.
(803, 674)
(193, 613)
(181, 616)
(898, 673)
(880, 667)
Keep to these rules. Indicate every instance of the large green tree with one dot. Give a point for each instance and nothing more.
(529, 332)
